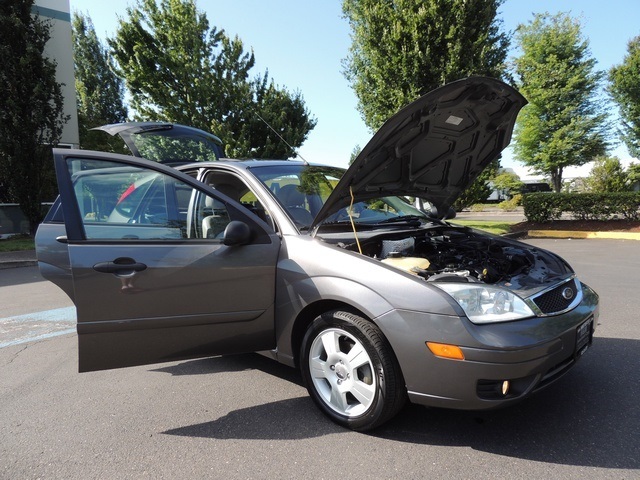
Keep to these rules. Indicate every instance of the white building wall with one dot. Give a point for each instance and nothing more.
(60, 48)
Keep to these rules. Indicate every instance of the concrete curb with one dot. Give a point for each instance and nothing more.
(587, 235)
(516, 235)
(24, 258)
(18, 263)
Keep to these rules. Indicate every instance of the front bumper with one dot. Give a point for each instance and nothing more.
(529, 354)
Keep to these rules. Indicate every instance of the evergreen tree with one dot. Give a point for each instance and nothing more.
(563, 125)
(99, 91)
(31, 114)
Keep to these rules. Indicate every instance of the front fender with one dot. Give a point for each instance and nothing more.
(299, 302)
(312, 272)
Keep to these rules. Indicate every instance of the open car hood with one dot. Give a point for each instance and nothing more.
(434, 148)
(169, 143)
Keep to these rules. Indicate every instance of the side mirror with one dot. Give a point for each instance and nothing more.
(450, 214)
(236, 233)
(426, 206)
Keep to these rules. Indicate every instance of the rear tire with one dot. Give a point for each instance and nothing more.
(351, 372)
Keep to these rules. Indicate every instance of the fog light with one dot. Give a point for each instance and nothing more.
(445, 351)
(505, 387)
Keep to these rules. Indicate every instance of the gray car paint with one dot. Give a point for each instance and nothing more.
(313, 274)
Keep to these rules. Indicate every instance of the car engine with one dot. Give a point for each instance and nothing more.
(446, 253)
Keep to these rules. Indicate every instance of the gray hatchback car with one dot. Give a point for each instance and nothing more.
(334, 272)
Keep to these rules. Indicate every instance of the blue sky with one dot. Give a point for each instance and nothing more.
(303, 43)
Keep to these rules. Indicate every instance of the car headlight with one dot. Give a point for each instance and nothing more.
(485, 304)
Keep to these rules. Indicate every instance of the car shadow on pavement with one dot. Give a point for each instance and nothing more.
(233, 363)
(588, 418)
(291, 419)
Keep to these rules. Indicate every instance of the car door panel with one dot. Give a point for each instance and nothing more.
(145, 296)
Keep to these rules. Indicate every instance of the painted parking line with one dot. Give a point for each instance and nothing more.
(37, 326)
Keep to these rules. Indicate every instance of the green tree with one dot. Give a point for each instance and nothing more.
(480, 189)
(633, 174)
(607, 175)
(354, 154)
(179, 69)
(271, 126)
(31, 117)
(624, 87)
(402, 49)
(563, 125)
(508, 182)
(99, 91)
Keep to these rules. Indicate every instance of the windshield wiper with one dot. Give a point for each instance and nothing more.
(337, 222)
(410, 219)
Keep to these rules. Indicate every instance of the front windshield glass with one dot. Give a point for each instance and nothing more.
(303, 189)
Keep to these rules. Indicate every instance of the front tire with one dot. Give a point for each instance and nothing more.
(350, 371)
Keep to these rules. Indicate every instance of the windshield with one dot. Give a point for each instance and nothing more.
(303, 189)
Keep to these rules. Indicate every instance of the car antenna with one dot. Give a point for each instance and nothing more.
(304, 160)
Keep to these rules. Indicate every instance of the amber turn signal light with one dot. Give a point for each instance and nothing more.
(445, 351)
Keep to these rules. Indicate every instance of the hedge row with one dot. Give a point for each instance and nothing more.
(544, 207)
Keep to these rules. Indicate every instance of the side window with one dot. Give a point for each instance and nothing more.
(251, 202)
(214, 215)
(234, 188)
(119, 201)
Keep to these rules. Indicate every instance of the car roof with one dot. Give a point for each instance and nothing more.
(247, 163)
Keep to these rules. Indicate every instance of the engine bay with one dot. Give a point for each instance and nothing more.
(458, 254)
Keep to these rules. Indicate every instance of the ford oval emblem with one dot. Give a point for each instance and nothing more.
(567, 293)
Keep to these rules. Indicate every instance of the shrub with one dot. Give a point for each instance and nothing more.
(542, 207)
(511, 204)
(545, 207)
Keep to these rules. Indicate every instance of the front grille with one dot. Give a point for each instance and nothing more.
(558, 299)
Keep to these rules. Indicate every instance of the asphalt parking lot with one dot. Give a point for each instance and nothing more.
(248, 417)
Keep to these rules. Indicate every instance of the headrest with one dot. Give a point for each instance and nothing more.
(214, 204)
(290, 196)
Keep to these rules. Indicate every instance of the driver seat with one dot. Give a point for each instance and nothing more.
(293, 201)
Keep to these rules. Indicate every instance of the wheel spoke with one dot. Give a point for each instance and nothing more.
(358, 356)
(330, 342)
(363, 393)
(338, 399)
(317, 368)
